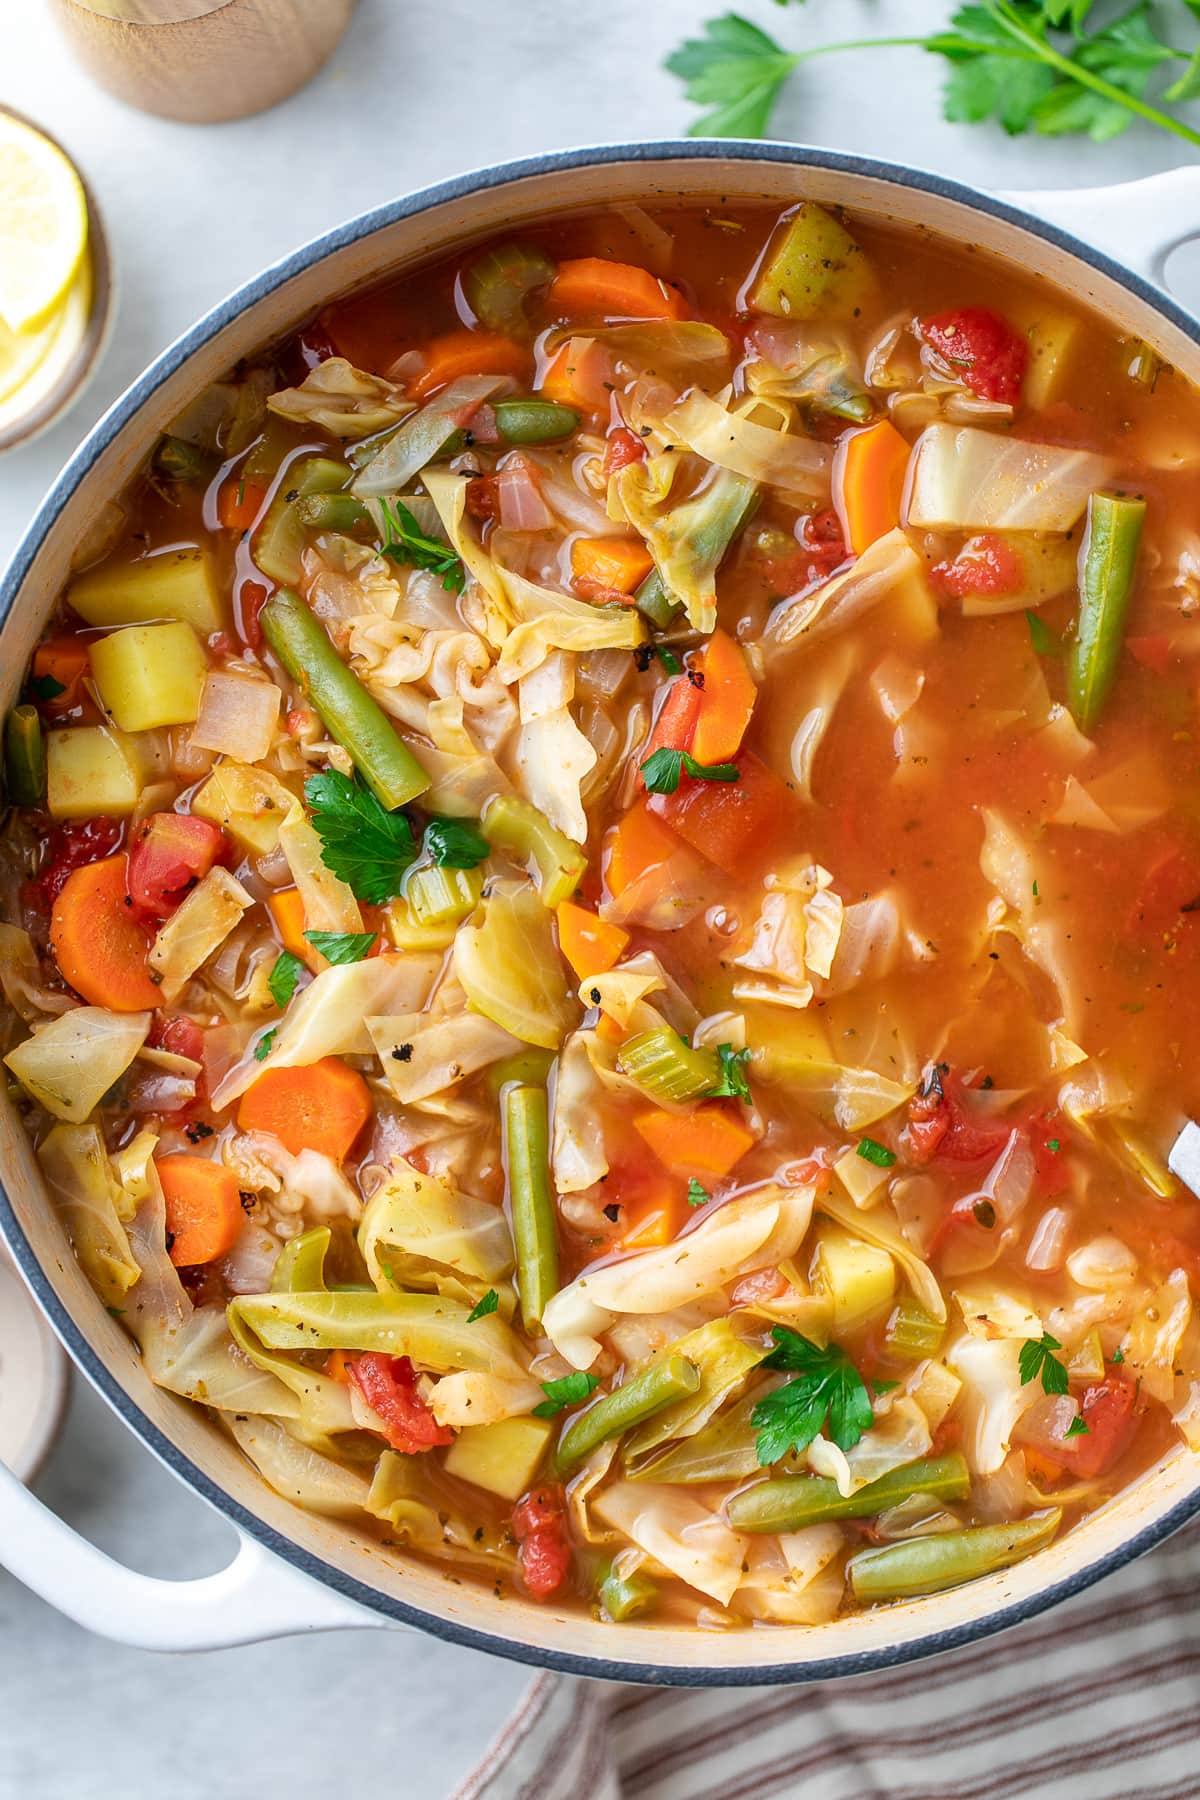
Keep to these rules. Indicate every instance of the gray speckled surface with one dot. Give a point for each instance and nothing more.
(419, 90)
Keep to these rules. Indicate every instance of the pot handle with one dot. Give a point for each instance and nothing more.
(258, 1596)
(1137, 223)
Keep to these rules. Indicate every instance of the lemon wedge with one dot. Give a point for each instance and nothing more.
(43, 227)
(34, 363)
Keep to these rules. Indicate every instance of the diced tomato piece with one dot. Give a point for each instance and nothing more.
(986, 565)
(69, 847)
(982, 349)
(540, 1528)
(182, 1037)
(1153, 652)
(940, 1124)
(1108, 1409)
(1049, 1141)
(483, 497)
(388, 1384)
(676, 720)
(726, 821)
(170, 853)
(812, 557)
(624, 447)
(248, 601)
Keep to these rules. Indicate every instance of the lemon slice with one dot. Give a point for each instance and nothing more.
(43, 226)
(33, 364)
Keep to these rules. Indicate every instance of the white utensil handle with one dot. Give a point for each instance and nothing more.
(256, 1597)
(1137, 223)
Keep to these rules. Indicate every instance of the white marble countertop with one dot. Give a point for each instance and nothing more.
(420, 89)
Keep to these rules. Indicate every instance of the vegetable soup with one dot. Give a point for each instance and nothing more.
(602, 883)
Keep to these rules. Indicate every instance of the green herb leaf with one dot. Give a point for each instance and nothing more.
(883, 1387)
(569, 1390)
(1036, 1359)
(736, 71)
(826, 1387)
(668, 659)
(697, 1195)
(264, 1045)
(45, 687)
(454, 844)
(732, 1083)
(1118, 1355)
(662, 771)
(1054, 1145)
(342, 946)
(1077, 1427)
(1040, 635)
(361, 842)
(406, 543)
(285, 973)
(483, 1306)
(872, 1151)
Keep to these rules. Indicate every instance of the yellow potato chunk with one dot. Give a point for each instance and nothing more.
(91, 770)
(176, 584)
(857, 1278)
(251, 804)
(150, 675)
(502, 1457)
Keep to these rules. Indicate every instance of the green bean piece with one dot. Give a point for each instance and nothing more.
(790, 1502)
(498, 284)
(1108, 564)
(529, 837)
(531, 1207)
(534, 421)
(349, 714)
(185, 464)
(25, 757)
(665, 1068)
(945, 1559)
(332, 512)
(655, 603)
(662, 1382)
(532, 1066)
(625, 1596)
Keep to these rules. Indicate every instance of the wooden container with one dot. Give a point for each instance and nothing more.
(202, 60)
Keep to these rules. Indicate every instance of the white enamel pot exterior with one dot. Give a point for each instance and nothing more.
(295, 1572)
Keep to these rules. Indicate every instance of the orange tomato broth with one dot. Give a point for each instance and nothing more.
(892, 806)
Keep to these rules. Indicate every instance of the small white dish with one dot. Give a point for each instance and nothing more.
(34, 1378)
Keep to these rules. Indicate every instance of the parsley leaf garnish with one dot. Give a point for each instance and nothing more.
(361, 842)
(1118, 1355)
(407, 543)
(342, 946)
(732, 1083)
(454, 844)
(285, 973)
(872, 1151)
(1030, 65)
(826, 1386)
(668, 659)
(697, 1195)
(1077, 1427)
(265, 1044)
(569, 1390)
(1040, 635)
(486, 1304)
(1036, 1359)
(662, 771)
(45, 687)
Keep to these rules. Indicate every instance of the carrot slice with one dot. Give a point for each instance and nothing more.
(657, 1221)
(590, 944)
(726, 700)
(581, 375)
(98, 944)
(868, 483)
(637, 846)
(675, 725)
(286, 907)
(64, 660)
(321, 1107)
(727, 822)
(617, 564)
(594, 287)
(708, 1141)
(204, 1208)
(468, 353)
(337, 1366)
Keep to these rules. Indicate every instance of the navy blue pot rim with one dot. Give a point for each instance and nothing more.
(82, 1351)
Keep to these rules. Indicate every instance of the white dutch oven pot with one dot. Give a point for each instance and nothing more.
(295, 1572)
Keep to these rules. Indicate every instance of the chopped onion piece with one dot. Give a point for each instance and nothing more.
(238, 715)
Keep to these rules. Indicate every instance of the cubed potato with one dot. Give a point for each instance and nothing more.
(502, 1457)
(812, 269)
(250, 804)
(176, 584)
(150, 675)
(91, 770)
(859, 1279)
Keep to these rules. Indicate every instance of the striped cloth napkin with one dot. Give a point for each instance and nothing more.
(1097, 1700)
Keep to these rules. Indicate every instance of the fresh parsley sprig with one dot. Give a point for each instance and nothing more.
(826, 1387)
(486, 1304)
(361, 842)
(663, 770)
(731, 1084)
(342, 946)
(454, 844)
(568, 1390)
(1037, 1358)
(406, 543)
(286, 971)
(1030, 65)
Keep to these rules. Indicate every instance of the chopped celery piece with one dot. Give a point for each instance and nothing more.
(623, 1597)
(531, 1205)
(790, 1502)
(279, 541)
(813, 268)
(498, 284)
(532, 1066)
(25, 757)
(90, 771)
(857, 1278)
(150, 675)
(555, 862)
(407, 933)
(442, 896)
(655, 603)
(174, 584)
(661, 1384)
(927, 1565)
(534, 421)
(1107, 569)
(665, 1068)
(502, 1457)
(332, 512)
(912, 1332)
(184, 464)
